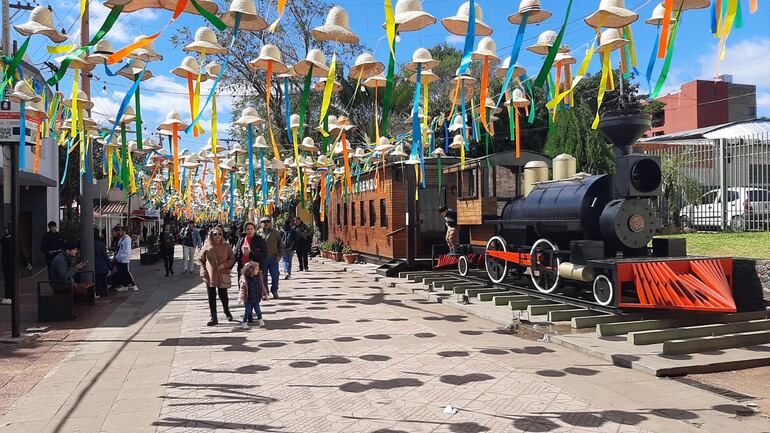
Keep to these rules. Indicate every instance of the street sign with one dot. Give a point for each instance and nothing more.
(9, 122)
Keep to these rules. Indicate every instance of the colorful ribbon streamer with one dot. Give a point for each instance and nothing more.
(548, 62)
(470, 38)
(281, 5)
(515, 50)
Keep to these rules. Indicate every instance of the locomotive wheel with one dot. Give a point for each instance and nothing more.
(497, 268)
(462, 265)
(545, 265)
(603, 290)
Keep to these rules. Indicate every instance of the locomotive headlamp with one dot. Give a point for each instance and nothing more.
(646, 175)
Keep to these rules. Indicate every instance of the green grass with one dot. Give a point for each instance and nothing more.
(749, 244)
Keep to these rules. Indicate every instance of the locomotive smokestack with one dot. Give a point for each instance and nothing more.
(622, 129)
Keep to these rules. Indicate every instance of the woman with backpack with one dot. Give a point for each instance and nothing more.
(167, 243)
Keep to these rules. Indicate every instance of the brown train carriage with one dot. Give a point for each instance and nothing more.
(373, 219)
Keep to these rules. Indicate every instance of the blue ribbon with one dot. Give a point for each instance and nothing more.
(219, 76)
(66, 162)
(713, 19)
(470, 38)
(653, 58)
(23, 134)
(250, 135)
(126, 102)
(416, 133)
(277, 193)
(232, 197)
(446, 136)
(514, 57)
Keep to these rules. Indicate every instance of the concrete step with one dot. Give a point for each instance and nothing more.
(449, 285)
(663, 335)
(718, 342)
(608, 329)
(505, 299)
(539, 310)
(524, 305)
(460, 290)
(565, 315)
(430, 280)
(486, 297)
(592, 321)
(473, 293)
(439, 284)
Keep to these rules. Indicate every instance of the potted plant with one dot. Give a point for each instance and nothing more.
(350, 255)
(337, 247)
(325, 248)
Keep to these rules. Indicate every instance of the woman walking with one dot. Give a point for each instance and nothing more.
(250, 247)
(216, 260)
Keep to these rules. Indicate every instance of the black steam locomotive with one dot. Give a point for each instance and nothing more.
(594, 232)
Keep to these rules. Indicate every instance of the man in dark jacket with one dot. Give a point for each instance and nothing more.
(166, 245)
(64, 267)
(102, 265)
(289, 239)
(51, 245)
(304, 241)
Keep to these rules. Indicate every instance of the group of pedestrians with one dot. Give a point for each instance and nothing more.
(297, 237)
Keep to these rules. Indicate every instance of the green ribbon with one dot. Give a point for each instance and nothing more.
(548, 63)
(216, 22)
(389, 88)
(13, 66)
(108, 23)
(137, 98)
(669, 55)
(305, 98)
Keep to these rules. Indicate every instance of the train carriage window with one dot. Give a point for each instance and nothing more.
(468, 179)
(372, 213)
(339, 222)
(383, 213)
(345, 214)
(352, 214)
(363, 213)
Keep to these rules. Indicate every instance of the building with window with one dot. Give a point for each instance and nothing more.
(703, 103)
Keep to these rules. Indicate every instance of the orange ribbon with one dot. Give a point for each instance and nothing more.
(122, 53)
(483, 97)
(669, 5)
(347, 161)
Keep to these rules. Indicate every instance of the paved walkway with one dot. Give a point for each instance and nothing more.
(343, 354)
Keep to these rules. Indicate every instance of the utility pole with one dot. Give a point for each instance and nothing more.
(6, 40)
(86, 184)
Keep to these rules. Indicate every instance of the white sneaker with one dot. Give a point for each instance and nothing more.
(134, 288)
(244, 325)
(6, 301)
(97, 296)
(121, 289)
(260, 323)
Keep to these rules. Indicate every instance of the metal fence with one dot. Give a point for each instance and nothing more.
(721, 184)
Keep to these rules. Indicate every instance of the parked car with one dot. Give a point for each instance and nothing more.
(747, 208)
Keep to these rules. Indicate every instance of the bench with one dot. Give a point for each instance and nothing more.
(148, 255)
(55, 305)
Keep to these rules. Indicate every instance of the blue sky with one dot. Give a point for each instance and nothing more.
(748, 53)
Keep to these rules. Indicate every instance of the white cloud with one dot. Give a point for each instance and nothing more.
(124, 30)
(745, 60)
(455, 39)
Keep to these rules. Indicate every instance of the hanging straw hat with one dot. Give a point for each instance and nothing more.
(129, 116)
(267, 54)
(307, 162)
(213, 69)
(250, 20)
(427, 76)
(544, 43)
(438, 152)
(228, 164)
(366, 66)
(37, 107)
(321, 85)
(336, 28)
(151, 144)
(172, 118)
(237, 149)
(275, 164)
(420, 115)
(457, 142)
(486, 49)
(308, 145)
(294, 121)
(189, 66)
(611, 14)
(562, 59)
(88, 123)
(410, 16)
(288, 74)
(503, 70)
(331, 120)
(342, 125)
(384, 145)
(323, 161)
(611, 41)
(80, 61)
(536, 14)
(316, 58)
(421, 56)
(490, 103)
(147, 53)
(469, 82)
(399, 152)
(289, 162)
(23, 92)
(137, 5)
(658, 15)
(260, 143)
(41, 23)
(100, 51)
(205, 42)
(413, 160)
(458, 24)
(134, 69)
(360, 153)
(457, 123)
(690, 4)
(249, 116)
(378, 81)
(83, 101)
(518, 99)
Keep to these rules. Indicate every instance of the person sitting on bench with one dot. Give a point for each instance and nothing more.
(64, 267)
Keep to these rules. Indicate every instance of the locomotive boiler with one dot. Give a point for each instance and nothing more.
(596, 232)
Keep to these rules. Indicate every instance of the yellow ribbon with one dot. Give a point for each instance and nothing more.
(602, 86)
(425, 115)
(390, 26)
(60, 49)
(281, 5)
(327, 97)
